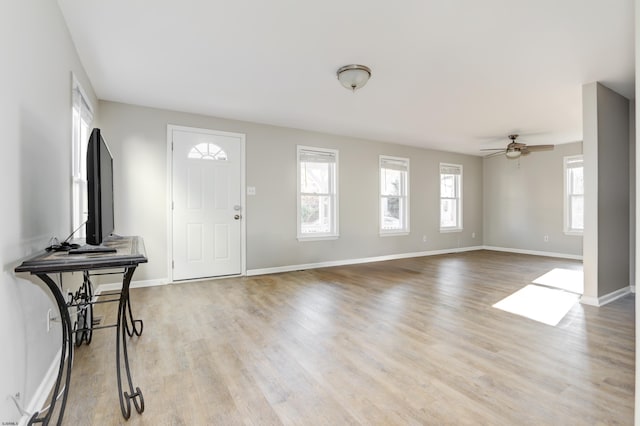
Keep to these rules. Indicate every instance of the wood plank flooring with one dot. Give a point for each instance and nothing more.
(413, 341)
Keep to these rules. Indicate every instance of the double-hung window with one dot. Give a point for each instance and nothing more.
(81, 119)
(317, 193)
(394, 195)
(573, 195)
(450, 197)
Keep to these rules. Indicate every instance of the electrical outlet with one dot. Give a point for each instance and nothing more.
(546, 238)
(473, 235)
(424, 238)
(16, 400)
(50, 319)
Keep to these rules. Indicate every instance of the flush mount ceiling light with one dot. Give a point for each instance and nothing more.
(354, 76)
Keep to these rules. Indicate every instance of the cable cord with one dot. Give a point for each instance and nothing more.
(66, 240)
(45, 409)
(15, 401)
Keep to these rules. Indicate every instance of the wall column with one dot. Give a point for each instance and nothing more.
(606, 241)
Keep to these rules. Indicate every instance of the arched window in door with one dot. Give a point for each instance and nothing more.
(207, 151)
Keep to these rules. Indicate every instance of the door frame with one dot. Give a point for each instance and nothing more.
(243, 198)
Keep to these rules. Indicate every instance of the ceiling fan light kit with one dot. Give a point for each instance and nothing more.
(513, 153)
(353, 76)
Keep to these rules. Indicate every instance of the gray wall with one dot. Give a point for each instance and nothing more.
(138, 139)
(607, 188)
(632, 193)
(636, 217)
(35, 169)
(524, 201)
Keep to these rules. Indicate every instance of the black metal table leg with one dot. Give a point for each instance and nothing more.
(66, 356)
(136, 325)
(122, 328)
(84, 299)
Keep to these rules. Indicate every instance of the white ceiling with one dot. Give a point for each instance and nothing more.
(447, 74)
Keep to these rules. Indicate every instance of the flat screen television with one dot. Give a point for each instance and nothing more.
(100, 222)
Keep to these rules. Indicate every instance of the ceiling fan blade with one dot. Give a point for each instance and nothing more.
(539, 147)
(494, 154)
(492, 149)
(524, 151)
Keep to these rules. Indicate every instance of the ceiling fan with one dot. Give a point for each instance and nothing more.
(515, 149)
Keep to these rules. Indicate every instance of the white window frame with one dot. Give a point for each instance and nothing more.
(395, 163)
(459, 195)
(333, 193)
(569, 162)
(81, 121)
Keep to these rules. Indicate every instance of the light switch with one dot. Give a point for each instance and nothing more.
(251, 190)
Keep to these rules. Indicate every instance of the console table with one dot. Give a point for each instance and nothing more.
(129, 254)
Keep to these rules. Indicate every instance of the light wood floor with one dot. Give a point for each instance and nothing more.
(411, 341)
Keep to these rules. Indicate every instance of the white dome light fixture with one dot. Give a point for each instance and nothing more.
(354, 76)
(513, 152)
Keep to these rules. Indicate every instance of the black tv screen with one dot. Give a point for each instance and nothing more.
(100, 222)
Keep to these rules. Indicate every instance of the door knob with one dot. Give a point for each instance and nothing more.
(237, 217)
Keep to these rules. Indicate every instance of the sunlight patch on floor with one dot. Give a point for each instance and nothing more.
(543, 304)
(567, 279)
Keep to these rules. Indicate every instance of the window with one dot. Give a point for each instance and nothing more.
(317, 193)
(394, 195)
(450, 197)
(81, 118)
(207, 151)
(574, 195)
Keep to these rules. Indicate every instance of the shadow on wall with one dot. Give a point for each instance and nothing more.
(40, 178)
(41, 203)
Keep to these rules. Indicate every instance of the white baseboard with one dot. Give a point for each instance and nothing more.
(327, 264)
(607, 298)
(134, 284)
(40, 396)
(289, 268)
(534, 252)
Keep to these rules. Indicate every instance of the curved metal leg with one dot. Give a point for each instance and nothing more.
(136, 325)
(83, 328)
(88, 288)
(124, 308)
(66, 355)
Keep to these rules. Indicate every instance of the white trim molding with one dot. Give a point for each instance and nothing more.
(40, 396)
(289, 268)
(534, 252)
(607, 298)
(134, 284)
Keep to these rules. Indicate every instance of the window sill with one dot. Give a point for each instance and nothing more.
(393, 233)
(447, 230)
(318, 238)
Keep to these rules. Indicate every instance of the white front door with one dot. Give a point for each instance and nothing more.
(207, 203)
